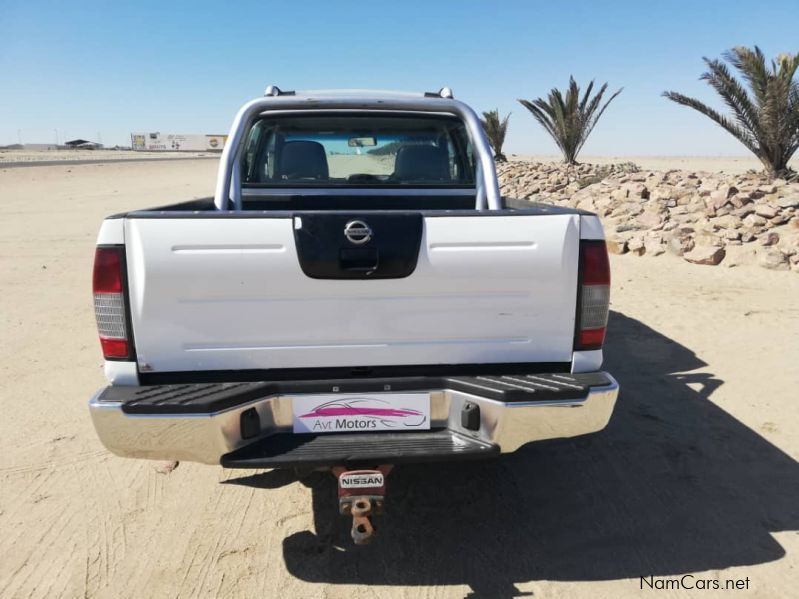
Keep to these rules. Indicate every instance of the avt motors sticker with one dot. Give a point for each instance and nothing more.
(333, 413)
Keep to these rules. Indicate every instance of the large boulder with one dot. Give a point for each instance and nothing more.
(769, 238)
(653, 246)
(616, 245)
(649, 219)
(765, 211)
(773, 259)
(789, 201)
(636, 246)
(754, 220)
(704, 254)
(744, 210)
(728, 221)
(681, 241)
(636, 189)
(706, 238)
(624, 227)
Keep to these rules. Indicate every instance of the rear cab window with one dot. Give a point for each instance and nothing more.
(358, 150)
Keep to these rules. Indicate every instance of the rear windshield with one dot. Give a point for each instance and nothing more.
(358, 150)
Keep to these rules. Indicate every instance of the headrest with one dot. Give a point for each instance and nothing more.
(303, 160)
(422, 163)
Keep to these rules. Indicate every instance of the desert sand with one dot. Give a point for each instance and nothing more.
(35, 157)
(696, 473)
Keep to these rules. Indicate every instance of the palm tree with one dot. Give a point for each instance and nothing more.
(496, 129)
(569, 121)
(765, 118)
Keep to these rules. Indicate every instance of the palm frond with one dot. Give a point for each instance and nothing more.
(751, 63)
(496, 129)
(569, 118)
(734, 95)
(764, 117)
(744, 136)
(596, 117)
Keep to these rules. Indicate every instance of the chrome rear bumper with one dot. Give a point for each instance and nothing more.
(206, 437)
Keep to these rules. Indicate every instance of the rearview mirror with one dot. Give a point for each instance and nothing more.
(361, 142)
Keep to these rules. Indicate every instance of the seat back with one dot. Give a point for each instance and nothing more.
(303, 160)
(422, 163)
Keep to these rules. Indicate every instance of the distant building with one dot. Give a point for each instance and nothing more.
(38, 147)
(83, 144)
(176, 142)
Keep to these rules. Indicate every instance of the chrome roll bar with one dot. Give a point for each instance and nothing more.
(228, 183)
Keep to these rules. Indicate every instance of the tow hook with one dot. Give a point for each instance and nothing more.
(361, 494)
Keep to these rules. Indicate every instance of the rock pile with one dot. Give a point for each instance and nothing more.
(707, 218)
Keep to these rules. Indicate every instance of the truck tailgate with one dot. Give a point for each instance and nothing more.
(238, 293)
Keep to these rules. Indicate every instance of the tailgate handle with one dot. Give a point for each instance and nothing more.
(358, 259)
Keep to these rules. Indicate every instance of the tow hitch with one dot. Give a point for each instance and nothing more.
(361, 494)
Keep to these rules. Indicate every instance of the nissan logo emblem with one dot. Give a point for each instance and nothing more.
(357, 232)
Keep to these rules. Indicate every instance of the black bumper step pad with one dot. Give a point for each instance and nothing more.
(286, 450)
(185, 399)
(528, 387)
(208, 398)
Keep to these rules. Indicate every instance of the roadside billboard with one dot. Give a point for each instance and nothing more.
(177, 142)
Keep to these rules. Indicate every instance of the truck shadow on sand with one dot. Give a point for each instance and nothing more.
(674, 484)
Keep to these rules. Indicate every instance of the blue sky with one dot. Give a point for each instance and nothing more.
(109, 68)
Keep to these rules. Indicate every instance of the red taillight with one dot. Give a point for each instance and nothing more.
(107, 276)
(114, 348)
(594, 263)
(594, 300)
(109, 302)
(591, 338)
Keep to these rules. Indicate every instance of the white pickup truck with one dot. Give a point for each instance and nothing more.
(357, 294)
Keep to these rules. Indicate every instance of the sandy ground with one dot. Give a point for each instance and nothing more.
(47, 156)
(726, 164)
(342, 165)
(696, 472)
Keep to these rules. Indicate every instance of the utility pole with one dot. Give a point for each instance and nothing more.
(56, 137)
(19, 136)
